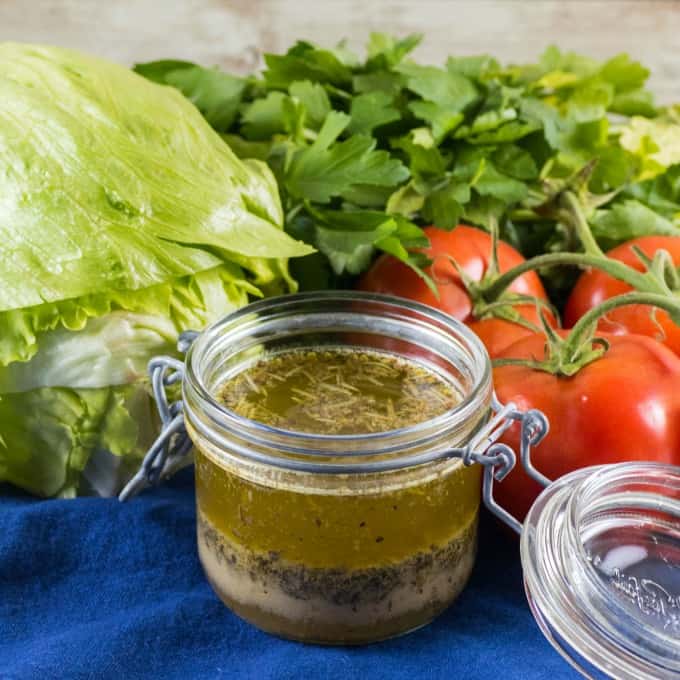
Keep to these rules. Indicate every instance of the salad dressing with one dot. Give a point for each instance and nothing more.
(376, 557)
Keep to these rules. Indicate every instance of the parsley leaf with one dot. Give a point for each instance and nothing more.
(447, 89)
(445, 206)
(349, 238)
(351, 250)
(477, 68)
(158, 70)
(425, 157)
(328, 168)
(445, 95)
(378, 81)
(314, 99)
(217, 95)
(304, 61)
(629, 219)
(264, 117)
(515, 162)
(385, 51)
(371, 110)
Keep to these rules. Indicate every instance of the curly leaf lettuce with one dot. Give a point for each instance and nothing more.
(656, 142)
(114, 348)
(77, 417)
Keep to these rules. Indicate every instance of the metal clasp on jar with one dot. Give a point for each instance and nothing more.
(172, 446)
(499, 459)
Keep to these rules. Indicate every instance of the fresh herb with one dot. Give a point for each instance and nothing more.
(364, 151)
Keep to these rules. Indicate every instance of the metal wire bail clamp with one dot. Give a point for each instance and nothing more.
(499, 459)
(171, 447)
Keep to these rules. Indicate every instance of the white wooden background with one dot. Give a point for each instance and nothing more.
(232, 33)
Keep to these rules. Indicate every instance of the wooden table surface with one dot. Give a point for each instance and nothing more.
(233, 33)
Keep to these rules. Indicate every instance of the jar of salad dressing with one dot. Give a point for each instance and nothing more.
(328, 507)
(343, 443)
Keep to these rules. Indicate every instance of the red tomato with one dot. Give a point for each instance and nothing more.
(594, 286)
(499, 334)
(624, 406)
(471, 250)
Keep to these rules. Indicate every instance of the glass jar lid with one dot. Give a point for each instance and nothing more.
(601, 558)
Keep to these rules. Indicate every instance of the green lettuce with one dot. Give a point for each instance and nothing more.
(111, 182)
(656, 142)
(124, 220)
(110, 350)
(48, 436)
(114, 348)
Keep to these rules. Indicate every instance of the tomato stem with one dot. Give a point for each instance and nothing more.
(583, 328)
(529, 363)
(506, 309)
(567, 356)
(580, 224)
(638, 280)
(493, 268)
(657, 278)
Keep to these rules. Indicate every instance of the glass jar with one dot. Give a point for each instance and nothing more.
(342, 539)
(601, 559)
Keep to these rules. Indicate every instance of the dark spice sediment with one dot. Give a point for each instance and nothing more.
(340, 586)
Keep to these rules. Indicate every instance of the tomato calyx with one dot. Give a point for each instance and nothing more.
(566, 355)
(501, 305)
(507, 309)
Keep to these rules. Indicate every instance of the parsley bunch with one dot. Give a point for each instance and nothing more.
(365, 152)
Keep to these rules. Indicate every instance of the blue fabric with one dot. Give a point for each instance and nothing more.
(93, 588)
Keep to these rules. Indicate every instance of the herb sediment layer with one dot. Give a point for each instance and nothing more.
(336, 605)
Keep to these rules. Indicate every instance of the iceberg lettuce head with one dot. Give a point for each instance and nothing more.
(124, 220)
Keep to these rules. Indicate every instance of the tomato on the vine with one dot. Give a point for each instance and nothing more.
(469, 249)
(595, 286)
(623, 406)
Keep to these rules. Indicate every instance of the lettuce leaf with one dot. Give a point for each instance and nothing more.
(656, 142)
(71, 417)
(114, 183)
(48, 436)
(189, 302)
(113, 349)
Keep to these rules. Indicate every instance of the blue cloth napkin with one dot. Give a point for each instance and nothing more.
(94, 588)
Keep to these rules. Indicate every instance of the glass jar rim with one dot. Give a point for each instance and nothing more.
(578, 610)
(197, 394)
